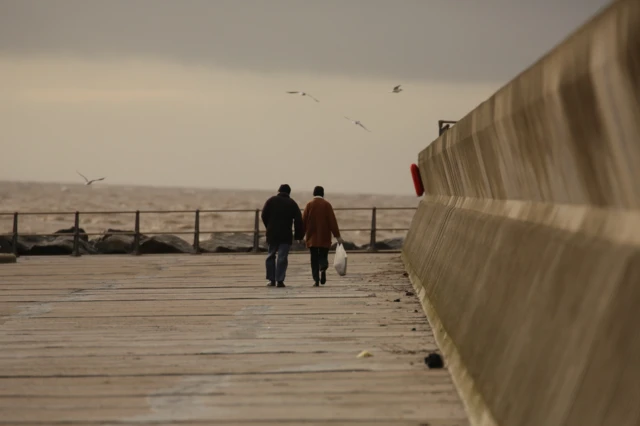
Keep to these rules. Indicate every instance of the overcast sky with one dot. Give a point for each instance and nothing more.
(192, 92)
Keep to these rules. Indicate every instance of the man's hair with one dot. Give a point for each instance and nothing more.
(318, 191)
(285, 188)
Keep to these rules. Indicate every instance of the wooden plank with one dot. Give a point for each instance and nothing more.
(201, 340)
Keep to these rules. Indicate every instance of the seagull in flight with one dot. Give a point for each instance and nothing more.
(303, 94)
(89, 182)
(357, 123)
(397, 89)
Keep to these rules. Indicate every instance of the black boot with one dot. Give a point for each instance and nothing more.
(280, 284)
(271, 284)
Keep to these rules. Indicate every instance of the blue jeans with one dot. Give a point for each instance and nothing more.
(277, 270)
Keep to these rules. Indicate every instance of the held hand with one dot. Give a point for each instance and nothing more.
(340, 240)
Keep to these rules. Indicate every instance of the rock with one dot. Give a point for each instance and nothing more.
(348, 245)
(114, 244)
(72, 231)
(388, 244)
(7, 258)
(6, 245)
(299, 246)
(231, 243)
(110, 232)
(43, 246)
(33, 239)
(434, 360)
(160, 244)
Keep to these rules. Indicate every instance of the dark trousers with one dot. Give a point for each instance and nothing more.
(277, 269)
(319, 261)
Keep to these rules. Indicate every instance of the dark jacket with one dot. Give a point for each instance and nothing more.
(278, 214)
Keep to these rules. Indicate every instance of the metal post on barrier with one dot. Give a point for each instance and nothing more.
(14, 239)
(136, 236)
(444, 125)
(372, 242)
(76, 235)
(256, 231)
(196, 233)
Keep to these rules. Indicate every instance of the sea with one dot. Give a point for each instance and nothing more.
(51, 207)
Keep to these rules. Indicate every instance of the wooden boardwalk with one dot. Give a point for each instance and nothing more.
(200, 340)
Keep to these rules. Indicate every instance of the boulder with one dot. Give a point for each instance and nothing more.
(46, 246)
(113, 244)
(348, 245)
(33, 239)
(298, 246)
(160, 244)
(110, 232)
(387, 244)
(231, 243)
(6, 245)
(72, 230)
(115, 241)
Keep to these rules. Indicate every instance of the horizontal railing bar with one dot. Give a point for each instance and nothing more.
(43, 213)
(229, 211)
(42, 235)
(93, 234)
(167, 233)
(396, 208)
(247, 231)
(91, 212)
(67, 213)
(226, 231)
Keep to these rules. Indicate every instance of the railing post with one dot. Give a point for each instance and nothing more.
(256, 231)
(372, 242)
(76, 235)
(15, 234)
(136, 236)
(196, 233)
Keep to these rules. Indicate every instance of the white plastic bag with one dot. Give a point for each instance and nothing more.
(340, 260)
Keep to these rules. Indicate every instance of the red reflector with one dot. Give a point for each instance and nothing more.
(417, 180)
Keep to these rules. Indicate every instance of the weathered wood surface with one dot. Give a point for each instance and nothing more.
(201, 340)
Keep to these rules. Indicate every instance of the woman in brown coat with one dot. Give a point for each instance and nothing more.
(319, 223)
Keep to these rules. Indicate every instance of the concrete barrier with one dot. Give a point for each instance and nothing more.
(525, 250)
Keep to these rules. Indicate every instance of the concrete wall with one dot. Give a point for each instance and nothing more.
(525, 250)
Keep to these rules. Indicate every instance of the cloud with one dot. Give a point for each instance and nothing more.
(453, 40)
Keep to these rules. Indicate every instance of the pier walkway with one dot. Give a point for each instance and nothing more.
(201, 340)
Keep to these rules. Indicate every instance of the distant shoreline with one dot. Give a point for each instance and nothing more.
(202, 188)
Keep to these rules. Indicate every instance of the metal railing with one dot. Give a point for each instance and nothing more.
(373, 229)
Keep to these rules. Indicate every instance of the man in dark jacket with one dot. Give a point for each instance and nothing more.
(278, 214)
(320, 223)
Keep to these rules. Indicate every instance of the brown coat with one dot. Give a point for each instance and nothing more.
(319, 222)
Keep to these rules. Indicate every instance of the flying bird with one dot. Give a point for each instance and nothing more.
(357, 123)
(89, 182)
(397, 89)
(303, 94)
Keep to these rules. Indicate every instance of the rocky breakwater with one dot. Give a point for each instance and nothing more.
(116, 241)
